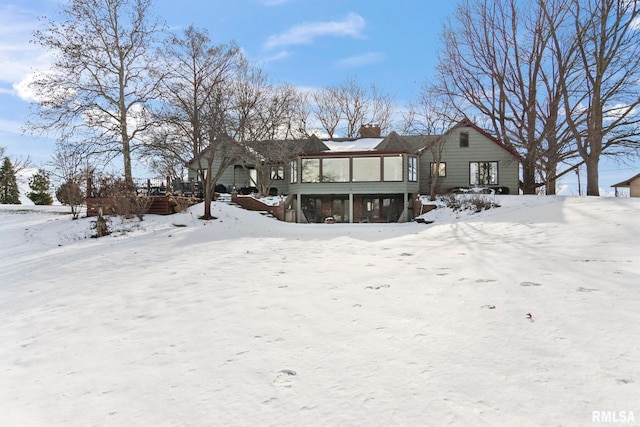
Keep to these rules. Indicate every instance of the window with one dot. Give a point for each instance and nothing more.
(392, 168)
(366, 169)
(441, 169)
(277, 173)
(483, 173)
(310, 170)
(293, 168)
(335, 170)
(412, 171)
(464, 139)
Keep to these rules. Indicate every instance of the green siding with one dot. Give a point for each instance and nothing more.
(457, 159)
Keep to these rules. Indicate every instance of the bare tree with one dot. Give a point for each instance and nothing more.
(302, 112)
(101, 80)
(69, 162)
(383, 109)
(200, 75)
(603, 79)
(353, 102)
(268, 158)
(265, 117)
(327, 110)
(494, 62)
(197, 69)
(18, 163)
(431, 115)
(225, 150)
(347, 105)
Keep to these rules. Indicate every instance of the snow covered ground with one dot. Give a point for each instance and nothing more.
(249, 321)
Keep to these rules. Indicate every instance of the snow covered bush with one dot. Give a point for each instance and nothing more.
(469, 202)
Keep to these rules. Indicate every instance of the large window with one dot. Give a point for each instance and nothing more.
(439, 168)
(366, 169)
(310, 170)
(293, 168)
(335, 170)
(412, 172)
(392, 168)
(483, 173)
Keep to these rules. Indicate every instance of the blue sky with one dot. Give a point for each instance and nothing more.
(307, 43)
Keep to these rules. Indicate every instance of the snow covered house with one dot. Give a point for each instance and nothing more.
(374, 178)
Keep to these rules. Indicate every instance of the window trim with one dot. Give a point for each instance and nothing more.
(497, 180)
(401, 175)
(293, 169)
(464, 139)
(322, 175)
(380, 166)
(440, 175)
(412, 170)
(277, 176)
(302, 167)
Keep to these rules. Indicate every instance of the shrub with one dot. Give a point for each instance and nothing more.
(70, 194)
(472, 202)
(120, 198)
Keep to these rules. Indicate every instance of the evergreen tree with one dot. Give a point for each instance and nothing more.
(40, 186)
(8, 186)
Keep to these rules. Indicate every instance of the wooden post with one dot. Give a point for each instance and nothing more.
(89, 186)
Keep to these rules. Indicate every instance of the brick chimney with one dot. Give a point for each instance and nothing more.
(370, 131)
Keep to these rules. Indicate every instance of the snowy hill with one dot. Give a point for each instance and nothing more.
(249, 321)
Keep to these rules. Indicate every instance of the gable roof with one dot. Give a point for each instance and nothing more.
(627, 183)
(313, 144)
(394, 142)
(464, 123)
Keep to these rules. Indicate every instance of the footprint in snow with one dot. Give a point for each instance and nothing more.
(283, 378)
(581, 289)
(377, 287)
(530, 284)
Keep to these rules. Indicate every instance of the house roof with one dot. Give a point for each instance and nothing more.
(313, 144)
(627, 183)
(394, 142)
(352, 144)
(468, 123)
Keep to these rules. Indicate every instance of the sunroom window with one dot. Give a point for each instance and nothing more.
(335, 170)
(366, 169)
(392, 168)
(310, 170)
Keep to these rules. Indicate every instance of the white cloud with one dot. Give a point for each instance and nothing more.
(23, 90)
(277, 57)
(306, 33)
(18, 56)
(361, 60)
